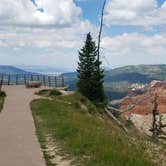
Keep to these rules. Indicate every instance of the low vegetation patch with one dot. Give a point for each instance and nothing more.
(49, 92)
(2, 98)
(89, 139)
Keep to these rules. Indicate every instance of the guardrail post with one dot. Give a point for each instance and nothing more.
(44, 80)
(8, 79)
(38, 78)
(1, 83)
(63, 82)
(25, 79)
(55, 82)
(16, 79)
(2, 79)
(49, 80)
(31, 77)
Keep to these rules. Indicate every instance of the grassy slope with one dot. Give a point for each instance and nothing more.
(92, 140)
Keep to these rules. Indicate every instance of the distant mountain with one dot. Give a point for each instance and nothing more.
(117, 81)
(48, 70)
(69, 74)
(149, 72)
(11, 70)
(129, 77)
(138, 73)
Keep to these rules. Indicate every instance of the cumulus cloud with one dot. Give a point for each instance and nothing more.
(38, 12)
(67, 37)
(135, 44)
(41, 46)
(138, 12)
(46, 30)
(133, 49)
(35, 23)
(51, 31)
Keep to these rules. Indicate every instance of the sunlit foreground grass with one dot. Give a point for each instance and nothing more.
(90, 139)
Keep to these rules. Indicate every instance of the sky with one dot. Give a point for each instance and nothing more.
(50, 32)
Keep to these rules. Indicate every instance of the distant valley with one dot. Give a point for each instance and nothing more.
(117, 81)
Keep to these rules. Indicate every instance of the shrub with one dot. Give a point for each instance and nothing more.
(77, 105)
(55, 92)
(43, 92)
(2, 94)
(49, 92)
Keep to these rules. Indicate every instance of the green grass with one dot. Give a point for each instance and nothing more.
(90, 139)
(49, 92)
(2, 99)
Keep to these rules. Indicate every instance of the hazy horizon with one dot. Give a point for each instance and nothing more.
(53, 70)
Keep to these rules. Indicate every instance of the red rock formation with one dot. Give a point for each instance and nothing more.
(144, 102)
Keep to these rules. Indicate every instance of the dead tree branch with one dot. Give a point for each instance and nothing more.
(100, 31)
(109, 113)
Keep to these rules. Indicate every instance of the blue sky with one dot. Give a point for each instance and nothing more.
(50, 32)
(92, 10)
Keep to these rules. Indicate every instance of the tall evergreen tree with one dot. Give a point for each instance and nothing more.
(90, 76)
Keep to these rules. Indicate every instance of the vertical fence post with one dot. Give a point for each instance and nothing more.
(55, 82)
(31, 77)
(25, 79)
(2, 79)
(8, 79)
(38, 78)
(1, 83)
(16, 79)
(63, 82)
(44, 80)
(49, 80)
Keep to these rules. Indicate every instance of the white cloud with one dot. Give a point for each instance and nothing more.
(57, 24)
(128, 44)
(135, 12)
(47, 12)
(133, 49)
(29, 35)
(66, 37)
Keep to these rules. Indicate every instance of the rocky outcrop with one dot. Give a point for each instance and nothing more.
(138, 105)
(143, 103)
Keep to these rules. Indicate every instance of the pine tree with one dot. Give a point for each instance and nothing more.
(90, 76)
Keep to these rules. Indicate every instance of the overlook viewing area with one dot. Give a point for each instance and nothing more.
(18, 140)
(23, 79)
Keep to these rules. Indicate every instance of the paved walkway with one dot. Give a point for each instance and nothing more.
(18, 142)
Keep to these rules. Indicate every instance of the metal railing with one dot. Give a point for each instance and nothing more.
(23, 79)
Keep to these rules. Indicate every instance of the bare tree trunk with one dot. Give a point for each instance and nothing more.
(100, 32)
(109, 113)
(155, 113)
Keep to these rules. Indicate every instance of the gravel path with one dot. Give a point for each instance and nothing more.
(18, 142)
